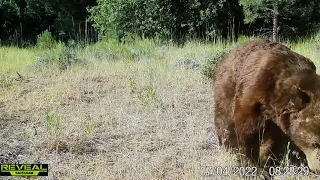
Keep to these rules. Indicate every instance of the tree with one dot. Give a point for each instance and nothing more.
(301, 18)
(266, 9)
(167, 19)
(9, 18)
(28, 18)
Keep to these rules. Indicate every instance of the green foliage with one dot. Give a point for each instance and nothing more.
(304, 19)
(50, 52)
(210, 65)
(50, 56)
(45, 40)
(9, 7)
(254, 9)
(163, 19)
(22, 20)
(106, 14)
(9, 13)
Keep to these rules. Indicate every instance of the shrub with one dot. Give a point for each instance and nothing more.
(208, 68)
(50, 56)
(45, 40)
(50, 52)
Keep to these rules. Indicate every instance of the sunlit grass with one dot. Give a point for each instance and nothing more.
(133, 111)
(309, 48)
(14, 59)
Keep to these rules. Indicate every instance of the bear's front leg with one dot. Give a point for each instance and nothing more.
(246, 119)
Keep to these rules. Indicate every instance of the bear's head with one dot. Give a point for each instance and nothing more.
(303, 124)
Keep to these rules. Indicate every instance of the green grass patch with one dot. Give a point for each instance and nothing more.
(14, 59)
(112, 50)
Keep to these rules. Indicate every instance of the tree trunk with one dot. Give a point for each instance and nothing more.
(275, 35)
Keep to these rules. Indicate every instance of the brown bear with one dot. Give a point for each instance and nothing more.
(266, 95)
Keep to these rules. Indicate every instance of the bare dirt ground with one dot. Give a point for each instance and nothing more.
(136, 120)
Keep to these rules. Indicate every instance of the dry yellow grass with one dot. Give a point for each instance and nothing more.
(149, 119)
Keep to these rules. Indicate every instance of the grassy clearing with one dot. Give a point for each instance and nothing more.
(134, 111)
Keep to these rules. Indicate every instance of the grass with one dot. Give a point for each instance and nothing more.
(136, 116)
(14, 59)
(309, 48)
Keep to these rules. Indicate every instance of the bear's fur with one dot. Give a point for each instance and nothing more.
(266, 95)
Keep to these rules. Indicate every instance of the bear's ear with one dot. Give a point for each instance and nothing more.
(299, 98)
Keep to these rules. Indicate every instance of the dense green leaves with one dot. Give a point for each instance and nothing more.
(254, 9)
(296, 17)
(9, 17)
(164, 19)
(22, 20)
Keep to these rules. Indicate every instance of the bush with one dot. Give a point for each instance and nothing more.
(45, 40)
(165, 19)
(50, 56)
(50, 52)
(208, 68)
